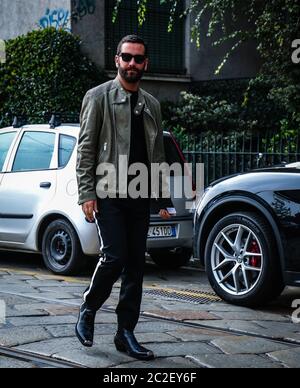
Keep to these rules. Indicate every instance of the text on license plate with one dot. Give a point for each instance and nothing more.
(162, 231)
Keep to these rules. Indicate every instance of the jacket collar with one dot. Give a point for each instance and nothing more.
(122, 95)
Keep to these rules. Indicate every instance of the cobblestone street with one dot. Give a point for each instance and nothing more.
(41, 312)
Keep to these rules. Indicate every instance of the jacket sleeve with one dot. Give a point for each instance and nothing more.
(90, 125)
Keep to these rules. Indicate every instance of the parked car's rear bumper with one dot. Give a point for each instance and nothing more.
(184, 236)
(90, 241)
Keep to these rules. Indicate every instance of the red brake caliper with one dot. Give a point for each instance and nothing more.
(254, 248)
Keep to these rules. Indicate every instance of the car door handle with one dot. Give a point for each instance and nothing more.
(45, 185)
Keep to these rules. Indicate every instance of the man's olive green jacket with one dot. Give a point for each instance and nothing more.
(105, 135)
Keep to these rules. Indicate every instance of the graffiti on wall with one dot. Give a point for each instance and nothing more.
(57, 18)
(82, 8)
(2, 52)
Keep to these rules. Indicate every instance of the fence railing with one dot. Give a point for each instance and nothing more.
(224, 153)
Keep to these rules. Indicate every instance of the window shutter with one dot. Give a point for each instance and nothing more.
(166, 49)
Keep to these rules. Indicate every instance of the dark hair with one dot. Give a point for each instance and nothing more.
(132, 39)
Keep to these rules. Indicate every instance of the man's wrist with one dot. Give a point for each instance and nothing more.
(83, 198)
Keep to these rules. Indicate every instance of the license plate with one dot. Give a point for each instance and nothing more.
(162, 231)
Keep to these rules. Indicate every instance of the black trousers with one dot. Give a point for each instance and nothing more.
(123, 227)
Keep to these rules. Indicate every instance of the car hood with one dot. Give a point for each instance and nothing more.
(274, 178)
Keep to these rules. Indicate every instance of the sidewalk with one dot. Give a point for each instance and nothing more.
(41, 311)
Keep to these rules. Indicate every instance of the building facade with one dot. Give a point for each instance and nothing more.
(175, 62)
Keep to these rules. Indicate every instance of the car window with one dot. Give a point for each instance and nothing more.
(171, 151)
(35, 151)
(5, 143)
(65, 149)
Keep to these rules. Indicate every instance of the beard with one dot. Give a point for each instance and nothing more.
(131, 77)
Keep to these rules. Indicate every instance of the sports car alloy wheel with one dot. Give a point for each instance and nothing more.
(237, 259)
(241, 260)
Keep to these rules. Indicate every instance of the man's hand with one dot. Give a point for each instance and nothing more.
(164, 214)
(88, 209)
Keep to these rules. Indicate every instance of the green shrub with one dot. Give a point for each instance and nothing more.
(45, 72)
(228, 105)
(195, 114)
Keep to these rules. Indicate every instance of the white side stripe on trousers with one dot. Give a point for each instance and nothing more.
(101, 261)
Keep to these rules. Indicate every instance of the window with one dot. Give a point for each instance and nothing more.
(166, 50)
(65, 149)
(35, 151)
(5, 143)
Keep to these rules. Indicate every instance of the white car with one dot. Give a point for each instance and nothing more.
(38, 202)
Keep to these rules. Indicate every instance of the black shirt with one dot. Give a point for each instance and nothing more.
(138, 147)
(139, 154)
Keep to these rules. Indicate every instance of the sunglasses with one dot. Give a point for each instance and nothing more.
(139, 59)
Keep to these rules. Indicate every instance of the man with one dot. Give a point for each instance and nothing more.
(118, 119)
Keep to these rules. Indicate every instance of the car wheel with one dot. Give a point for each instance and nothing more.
(241, 261)
(171, 258)
(61, 249)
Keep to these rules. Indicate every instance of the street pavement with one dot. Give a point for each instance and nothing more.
(41, 311)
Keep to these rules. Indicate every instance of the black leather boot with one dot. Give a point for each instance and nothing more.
(85, 326)
(126, 342)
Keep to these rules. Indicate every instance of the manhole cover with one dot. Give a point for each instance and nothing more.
(190, 296)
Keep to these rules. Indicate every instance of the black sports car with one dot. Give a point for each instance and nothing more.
(247, 234)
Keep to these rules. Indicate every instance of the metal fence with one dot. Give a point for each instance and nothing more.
(224, 153)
